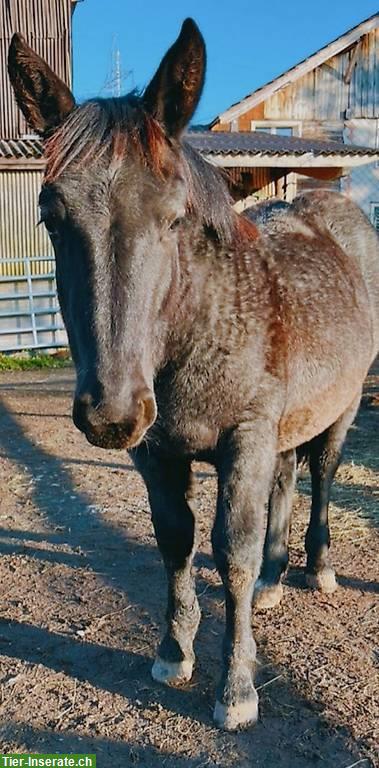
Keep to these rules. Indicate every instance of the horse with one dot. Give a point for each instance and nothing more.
(197, 334)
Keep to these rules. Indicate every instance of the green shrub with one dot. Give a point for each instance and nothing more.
(26, 361)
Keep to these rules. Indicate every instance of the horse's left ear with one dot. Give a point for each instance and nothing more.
(175, 90)
(44, 99)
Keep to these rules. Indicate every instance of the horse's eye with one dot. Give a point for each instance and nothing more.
(51, 223)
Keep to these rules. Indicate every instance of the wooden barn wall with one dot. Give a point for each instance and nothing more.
(321, 99)
(46, 25)
(20, 237)
(304, 183)
(362, 184)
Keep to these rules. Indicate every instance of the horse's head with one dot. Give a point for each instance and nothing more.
(113, 199)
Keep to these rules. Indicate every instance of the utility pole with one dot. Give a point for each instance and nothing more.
(117, 76)
(117, 73)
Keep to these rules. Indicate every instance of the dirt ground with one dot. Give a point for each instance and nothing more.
(82, 605)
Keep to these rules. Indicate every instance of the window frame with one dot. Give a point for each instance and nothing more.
(296, 125)
(374, 205)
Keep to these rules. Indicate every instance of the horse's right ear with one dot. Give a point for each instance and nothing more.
(42, 96)
(175, 90)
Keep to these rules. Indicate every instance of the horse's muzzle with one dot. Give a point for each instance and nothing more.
(104, 425)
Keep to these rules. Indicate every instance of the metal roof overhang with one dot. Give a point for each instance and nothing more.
(293, 161)
(21, 154)
(229, 150)
(7, 164)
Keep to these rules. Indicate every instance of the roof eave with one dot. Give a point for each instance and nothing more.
(305, 160)
(21, 164)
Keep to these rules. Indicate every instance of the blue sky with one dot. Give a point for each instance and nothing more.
(248, 42)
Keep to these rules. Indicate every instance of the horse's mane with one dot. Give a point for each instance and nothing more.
(115, 126)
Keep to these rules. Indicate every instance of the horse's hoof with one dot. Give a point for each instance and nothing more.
(267, 595)
(172, 672)
(231, 717)
(323, 581)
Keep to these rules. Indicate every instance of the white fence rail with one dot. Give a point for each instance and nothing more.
(30, 317)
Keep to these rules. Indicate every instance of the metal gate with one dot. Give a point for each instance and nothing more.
(30, 317)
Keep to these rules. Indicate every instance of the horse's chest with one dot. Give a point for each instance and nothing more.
(196, 404)
(189, 418)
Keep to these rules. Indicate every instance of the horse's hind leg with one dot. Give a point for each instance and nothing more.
(268, 589)
(324, 458)
(170, 485)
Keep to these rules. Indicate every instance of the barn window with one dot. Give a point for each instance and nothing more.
(278, 127)
(375, 215)
(280, 130)
(283, 130)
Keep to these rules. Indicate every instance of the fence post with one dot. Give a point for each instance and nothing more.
(31, 301)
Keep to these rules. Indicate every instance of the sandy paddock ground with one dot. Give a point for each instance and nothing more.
(82, 603)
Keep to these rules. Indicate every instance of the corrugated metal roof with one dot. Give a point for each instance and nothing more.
(260, 142)
(21, 149)
(219, 143)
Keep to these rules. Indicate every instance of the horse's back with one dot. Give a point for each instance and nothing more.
(353, 233)
(341, 228)
(267, 211)
(322, 258)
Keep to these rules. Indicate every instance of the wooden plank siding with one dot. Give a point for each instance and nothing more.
(46, 25)
(322, 100)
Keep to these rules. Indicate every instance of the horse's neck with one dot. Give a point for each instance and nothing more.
(188, 292)
(216, 285)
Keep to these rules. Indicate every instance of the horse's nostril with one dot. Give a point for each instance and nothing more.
(149, 410)
(145, 406)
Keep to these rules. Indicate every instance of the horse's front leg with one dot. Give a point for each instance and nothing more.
(170, 488)
(245, 470)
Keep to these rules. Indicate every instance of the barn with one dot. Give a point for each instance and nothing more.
(260, 165)
(29, 315)
(328, 100)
